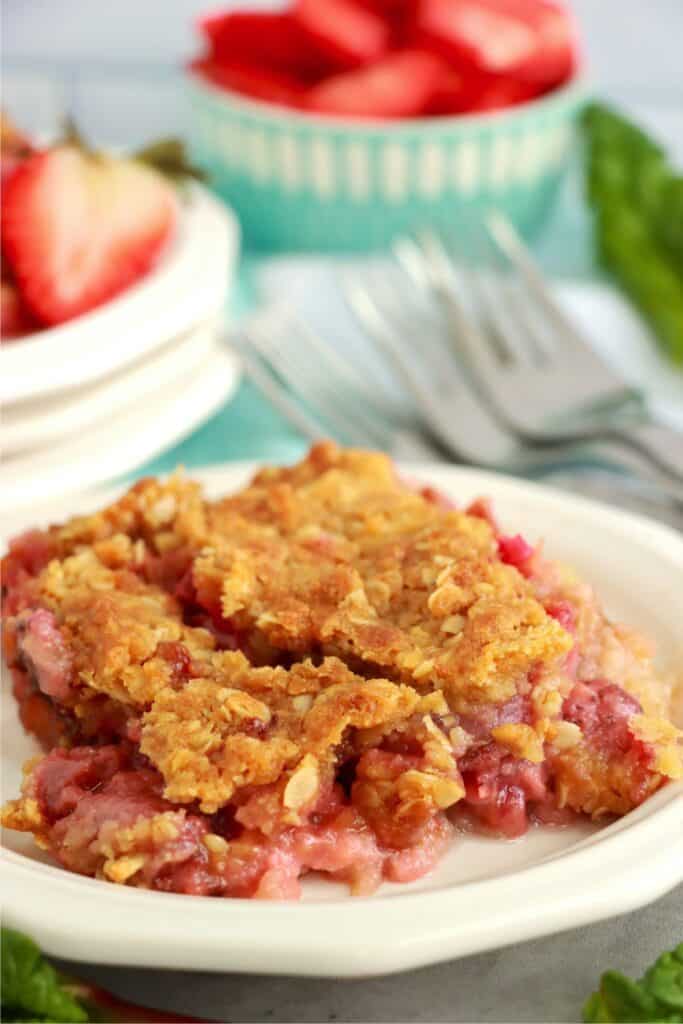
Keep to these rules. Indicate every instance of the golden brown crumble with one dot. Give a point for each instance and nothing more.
(247, 726)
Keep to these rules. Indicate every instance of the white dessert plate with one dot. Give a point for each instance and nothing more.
(118, 444)
(45, 421)
(189, 284)
(485, 893)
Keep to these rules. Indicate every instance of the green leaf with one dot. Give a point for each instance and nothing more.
(656, 999)
(638, 204)
(665, 979)
(31, 988)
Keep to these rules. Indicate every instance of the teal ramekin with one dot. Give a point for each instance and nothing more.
(303, 181)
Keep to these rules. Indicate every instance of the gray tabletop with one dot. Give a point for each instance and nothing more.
(544, 981)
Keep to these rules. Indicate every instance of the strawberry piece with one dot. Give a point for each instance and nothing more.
(15, 319)
(534, 40)
(398, 14)
(78, 228)
(472, 92)
(253, 81)
(270, 40)
(344, 31)
(401, 85)
(454, 94)
(498, 93)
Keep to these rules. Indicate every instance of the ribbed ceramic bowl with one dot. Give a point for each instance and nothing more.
(302, 181)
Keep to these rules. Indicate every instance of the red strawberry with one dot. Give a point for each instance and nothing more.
(15, 320)
(274, 41)
(79, 227)
(252, 80)
(344, 31)
(500, 92)
(401, 85)
(534, 40)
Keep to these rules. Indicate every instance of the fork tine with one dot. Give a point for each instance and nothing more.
(409, 313)
(492, 289)
(379, 329)
(507, 240)
(473, 255)
(275, 394)
(290, 363)
(345, 370)
(500, 307)
(465, 339)
(341, 428)
(390, 343)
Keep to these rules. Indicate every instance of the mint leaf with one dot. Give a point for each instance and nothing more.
(656, 999)
(665, 979)
(637, 199)
(31, 988)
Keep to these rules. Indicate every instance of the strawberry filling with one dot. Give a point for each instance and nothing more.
(89, 795)
(43, 652)
(514, 550)
(603, 710)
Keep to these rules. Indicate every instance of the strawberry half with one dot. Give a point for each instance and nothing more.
(79, 227)
(343, 31)
(531, 40)
(400, 85)
(251, 80)
(268, 40)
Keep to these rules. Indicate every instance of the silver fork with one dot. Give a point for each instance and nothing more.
(528, 360)
(277, 348)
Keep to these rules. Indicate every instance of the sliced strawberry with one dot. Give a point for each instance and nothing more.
(398, 14)
(401, 85)
(500, 92)
(275, 41)
(532, 39)
(78, 228)
(15, 319)
(253, 81)
(455, 93)
(344, 31)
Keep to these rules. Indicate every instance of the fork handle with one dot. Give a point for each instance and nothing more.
(661, 444)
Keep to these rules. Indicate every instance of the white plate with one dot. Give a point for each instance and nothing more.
(30, 425)
(486, 892)
(120, 443)
(189, 284)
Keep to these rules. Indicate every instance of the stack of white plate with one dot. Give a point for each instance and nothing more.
(96, 397)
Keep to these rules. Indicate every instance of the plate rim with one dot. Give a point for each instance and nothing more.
(276, 937)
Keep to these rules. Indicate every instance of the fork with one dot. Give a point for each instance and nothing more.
(526, 357)
(333, 397)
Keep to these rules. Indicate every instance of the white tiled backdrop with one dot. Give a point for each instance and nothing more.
(114, 63)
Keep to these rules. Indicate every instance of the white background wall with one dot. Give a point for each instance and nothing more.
(114, 63)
